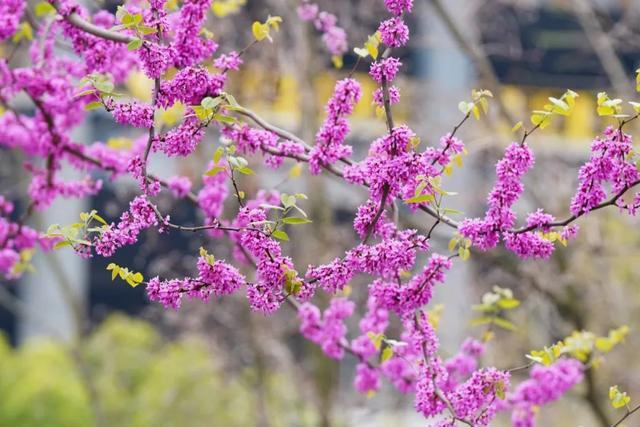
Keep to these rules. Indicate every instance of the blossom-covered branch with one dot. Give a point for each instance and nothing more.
(175, 50)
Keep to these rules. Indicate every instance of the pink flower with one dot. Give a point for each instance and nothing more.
(394, 96)
(132, 113)
(307, 11)
(329, 139)
(188, 47)
(385, 70)
(328, 330)
(367, 379)
(398, 7)
(229, 61)
(545, 385)
(10, 13)
(394, 32)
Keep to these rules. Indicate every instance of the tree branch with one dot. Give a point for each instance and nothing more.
(604, 49)
(88, 27)
(477, 56)
(611, 202)
(627, 415)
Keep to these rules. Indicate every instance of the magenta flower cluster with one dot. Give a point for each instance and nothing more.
(16, 238)
(398, 7)
(249, 141)
(611, 164)
(333, 36)
(328, 329)
(485, 233)
(394, 32)
(134, 114)
(399, 264)
(10, 13)
(140, 216)
(329, 146)
(545, 384)
(216, 279)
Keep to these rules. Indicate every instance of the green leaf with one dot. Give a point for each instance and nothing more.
(482, 320)
(99, 219)
(280, 235)
(115, 270)
(500, 390)
(361, 52)
(134, 44)
(210, 103)
(618, 399)
(104, 85)
(423, 198)
(387, 354)
(296, 207)
(295, 171)
(246, 171)
(121, 12)
(44, 8)
(224, 119)
(563, 106)
(376, 339)
(215, 170)
(201, 113)
(24, 32)
(486, 308)
(465, 107)
(93, 105)
(218, 155)
(451, 211)
(231, 100)
(504, 324)
(476, 112)
(604, 344)
(296, 220)
(268, 206)
(516, 127)
(137, 277)
(453, 243)
(260, 31)
(508, 304)
(146, 30)
(62, 244)
(84, 92)
(287, 200)
(541, 119)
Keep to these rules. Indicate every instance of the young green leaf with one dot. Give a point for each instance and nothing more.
(280, 235)
(295, 220)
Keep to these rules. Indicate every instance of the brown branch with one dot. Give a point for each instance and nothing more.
(88, 27)
(477, 55)
(386, 100)
(603, 47)
(627, 415)
(330, 168)
(611, 202)
(150, 177)
(215, 226)
(272, 128)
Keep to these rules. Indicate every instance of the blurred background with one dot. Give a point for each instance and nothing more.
(80, 350)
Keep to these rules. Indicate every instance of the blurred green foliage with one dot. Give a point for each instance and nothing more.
(126, 374)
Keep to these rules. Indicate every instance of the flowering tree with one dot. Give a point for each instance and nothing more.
(172, 47)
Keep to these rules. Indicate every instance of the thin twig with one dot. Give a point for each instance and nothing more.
(90, 28)
(627, 415)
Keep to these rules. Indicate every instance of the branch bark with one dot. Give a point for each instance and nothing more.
(88, 27)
